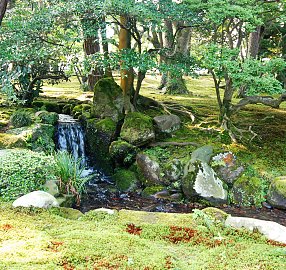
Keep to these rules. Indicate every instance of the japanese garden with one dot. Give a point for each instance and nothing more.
(142, 134)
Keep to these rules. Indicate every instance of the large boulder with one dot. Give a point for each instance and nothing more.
(167, 123)
(202, 154)
(227, 167)
(99, 135)
(122, 152)
(38, 199)
(137, 129)
(12, 141)
(277, 192)
(270, 229)
(125, 180)
(248, 191)
(107, 100)
(201, 181)
(149, 170)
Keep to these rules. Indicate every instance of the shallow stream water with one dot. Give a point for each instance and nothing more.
(102, 197)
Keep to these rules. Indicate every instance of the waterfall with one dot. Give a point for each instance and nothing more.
(70, 137)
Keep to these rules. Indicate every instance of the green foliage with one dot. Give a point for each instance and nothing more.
(23, 171)
(48, 118)
(125, 180)
(69, 172)
(21, 118)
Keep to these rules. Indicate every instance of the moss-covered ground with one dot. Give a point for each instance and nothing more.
(42, 239)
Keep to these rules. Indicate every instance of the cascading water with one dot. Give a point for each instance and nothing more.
(70, 137)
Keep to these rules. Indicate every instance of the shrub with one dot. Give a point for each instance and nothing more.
(69, 170)
(21, 118)
(23, 171)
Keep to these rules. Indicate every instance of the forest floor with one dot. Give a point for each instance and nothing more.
(33, 239)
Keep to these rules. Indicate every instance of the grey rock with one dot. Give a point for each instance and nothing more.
(40, 199)
(150, 170)
(52, 188)
(202, 154)
(270, 229)
(173, 170)
(228, 169)
(167, 123)
(203, 182)
(277, 193)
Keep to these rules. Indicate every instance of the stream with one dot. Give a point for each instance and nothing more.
(100, 196)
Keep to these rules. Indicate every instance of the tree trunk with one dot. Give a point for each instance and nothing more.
(175, 82)
(108, 71)
(127, 75)
(3, 7)
(167, 43)
(91, 46)
(254, 42)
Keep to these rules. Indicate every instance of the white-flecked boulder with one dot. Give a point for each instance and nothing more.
(270, 229)
(40, 199)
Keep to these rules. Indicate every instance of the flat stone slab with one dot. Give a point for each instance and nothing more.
(40, 199)
(270, 229)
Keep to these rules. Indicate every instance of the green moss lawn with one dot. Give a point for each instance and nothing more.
(45, 239)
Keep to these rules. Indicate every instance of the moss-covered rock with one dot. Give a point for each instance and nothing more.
(137, 129)
(149, 191)
(122, 152)
(41, 138)
(172, 170)
(248, 190)
(216, 214)
(99, 136)
(277, 192)
(107, 100)
(125, 180)
(12, 141)
(50, 106)
(66, 212)
(46, 117)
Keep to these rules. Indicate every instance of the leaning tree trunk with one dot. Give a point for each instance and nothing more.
(3, 7)
(127, 75)
(175, 81)
(226, 109)
(91, 46)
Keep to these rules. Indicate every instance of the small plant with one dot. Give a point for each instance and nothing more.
(21, 118)
(69, 170)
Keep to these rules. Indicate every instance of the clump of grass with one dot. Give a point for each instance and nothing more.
(21, 118)
(69, 172)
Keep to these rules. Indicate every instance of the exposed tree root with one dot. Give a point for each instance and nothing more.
(168, 107)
